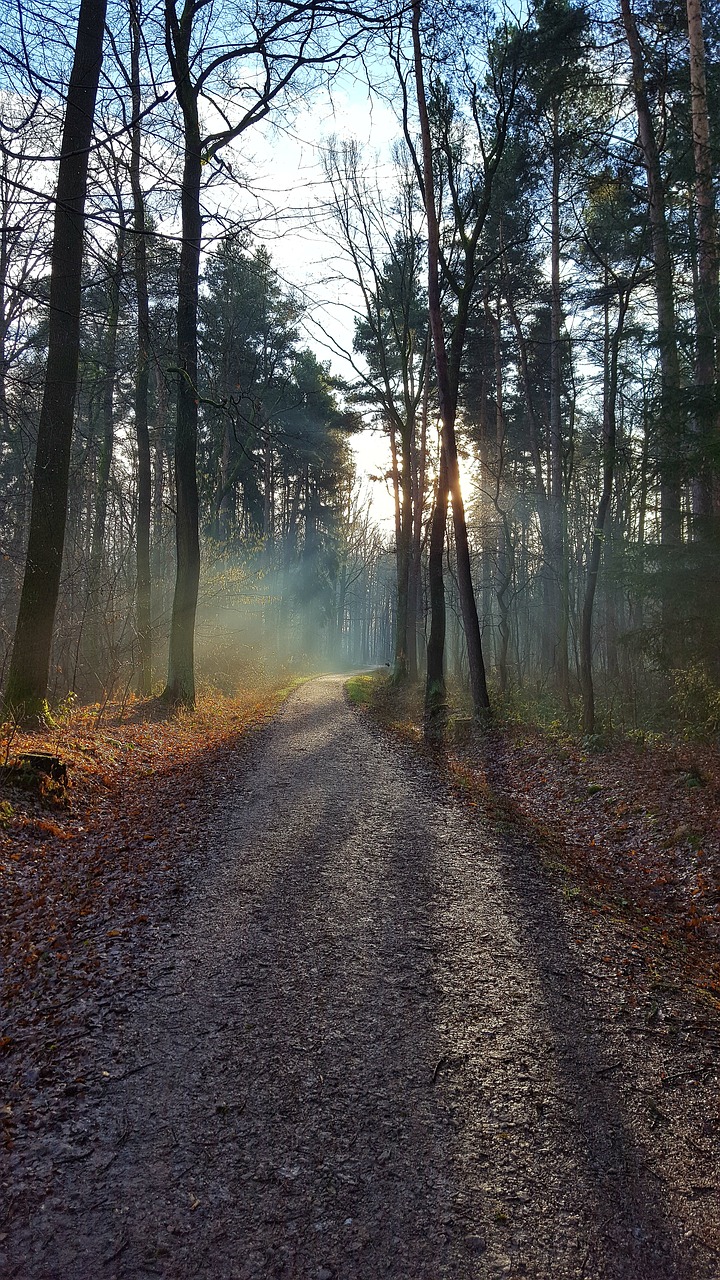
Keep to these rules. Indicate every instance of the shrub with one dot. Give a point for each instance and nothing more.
(695, 698)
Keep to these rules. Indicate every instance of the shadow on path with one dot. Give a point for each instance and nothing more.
(371, 1052)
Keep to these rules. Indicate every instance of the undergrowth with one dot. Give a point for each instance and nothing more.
(109, 744)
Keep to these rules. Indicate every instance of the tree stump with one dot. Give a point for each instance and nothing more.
(42, 762)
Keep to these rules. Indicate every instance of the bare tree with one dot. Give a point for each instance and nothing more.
(28, 674)
(470, 208)
(142, 368)
(243, 59)
(385, 250)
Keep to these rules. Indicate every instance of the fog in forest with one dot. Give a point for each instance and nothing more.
(531, 328)
(285, 623)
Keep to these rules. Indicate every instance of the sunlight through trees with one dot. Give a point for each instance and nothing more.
(531, 281)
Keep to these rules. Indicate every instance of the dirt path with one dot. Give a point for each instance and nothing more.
(375, 1044)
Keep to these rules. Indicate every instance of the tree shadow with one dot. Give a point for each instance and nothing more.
(337, 1067)
(632, 1234)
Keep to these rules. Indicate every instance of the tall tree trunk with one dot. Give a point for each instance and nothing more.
(142, 377)
(340, 613)
(504, 545)
(180, 687)
(418, 461)
(670, 425)
(558, 574)
(5, 258)
(404, 555)
(401, 565)
(268, 492)
(541, 493)
(707, 310)
(435, 704)
(447, 399)
(28, 674)
(609, 440)
(98, 679)
(158, 562)
(224, 496)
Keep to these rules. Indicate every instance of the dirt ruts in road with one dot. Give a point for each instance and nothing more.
(378, 1043)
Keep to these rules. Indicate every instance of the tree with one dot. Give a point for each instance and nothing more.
(24, 250)
(707, 304)
(386, 253)
(470, 203)
(667, 338)
(248, 347)
(28, 674)
(114, 271)
(618, 253)
(560, 86)
(142, 369)
(255, 55)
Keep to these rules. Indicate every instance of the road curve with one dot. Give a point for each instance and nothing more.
(369, 1050)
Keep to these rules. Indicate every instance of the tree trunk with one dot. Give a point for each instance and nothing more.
(670, 426)
(142, 378)
(5, 259)
(504, 544)
(401, 557)
(609, 440)
(158, 562)
(447, 398)
(180, 687)
(558, 575)
(707, 317)
(268, 505)
(97, 545)
(547, 637)
(435, 704)
(404, 556)
(418, 459)
(28, 674)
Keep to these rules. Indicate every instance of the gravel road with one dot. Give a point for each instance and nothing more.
(375, 1042)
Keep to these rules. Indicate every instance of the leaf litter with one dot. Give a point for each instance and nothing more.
(325, 1020)
(87, 870)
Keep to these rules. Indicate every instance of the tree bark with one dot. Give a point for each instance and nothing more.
(28, 674)
(404, 555)
(142, 378)
(435, 701)
(707, 309)
(447, 398)
(670, 512)
(418, 462)
(399, 673)
(102, 483)
(160, 458)
(504, 544)
(558, 575)
(180, 687)
(609, 441)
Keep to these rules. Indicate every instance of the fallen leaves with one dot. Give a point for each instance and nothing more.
(84, 869)
(638, 826)
(640, 842)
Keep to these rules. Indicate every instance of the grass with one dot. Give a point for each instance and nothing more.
(397, 707)
(360, 690)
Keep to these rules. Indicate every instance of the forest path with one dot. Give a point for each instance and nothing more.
(371, 1049)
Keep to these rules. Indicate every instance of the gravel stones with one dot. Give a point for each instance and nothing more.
(374, 1048)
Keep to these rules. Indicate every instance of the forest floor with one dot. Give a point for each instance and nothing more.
(311, 1003)
(632, 827)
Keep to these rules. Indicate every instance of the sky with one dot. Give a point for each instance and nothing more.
(289, 191)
